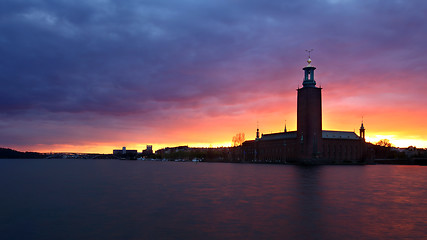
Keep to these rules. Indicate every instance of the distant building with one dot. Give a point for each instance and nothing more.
(195, 154)
(169, 150)
(148, 150)
(124, 151)
(309, 143)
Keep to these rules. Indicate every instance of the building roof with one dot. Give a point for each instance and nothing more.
(280, 135)
(325, 134)
(339, 135)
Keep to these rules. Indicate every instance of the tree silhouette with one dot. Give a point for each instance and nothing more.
(384, 143)
(238, 139)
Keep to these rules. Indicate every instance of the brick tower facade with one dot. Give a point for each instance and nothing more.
(309, 117)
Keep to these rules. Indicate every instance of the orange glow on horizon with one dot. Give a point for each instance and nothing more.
(395, 139)
(215, 125)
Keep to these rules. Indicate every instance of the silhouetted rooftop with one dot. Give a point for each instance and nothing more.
(339, 135)
(280, 135)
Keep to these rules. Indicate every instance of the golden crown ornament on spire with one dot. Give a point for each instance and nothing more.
(309, 59)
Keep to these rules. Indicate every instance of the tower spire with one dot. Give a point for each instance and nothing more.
(309, 51)
(257, 131)
(309, 72)
(362, 131)
(285, 127)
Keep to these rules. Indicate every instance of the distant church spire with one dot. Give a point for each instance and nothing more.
(362, 131)
(257, 131)
(309, 73)
(285, 127)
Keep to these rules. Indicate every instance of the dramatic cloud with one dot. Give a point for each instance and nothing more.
(106, 73)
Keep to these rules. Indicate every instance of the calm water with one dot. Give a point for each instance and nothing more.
(112, 199)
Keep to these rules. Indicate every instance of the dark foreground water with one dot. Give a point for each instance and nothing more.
(112, 199)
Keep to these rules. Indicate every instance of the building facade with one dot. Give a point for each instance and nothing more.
(310, 144)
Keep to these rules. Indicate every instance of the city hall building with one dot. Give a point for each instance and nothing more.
(309, 144)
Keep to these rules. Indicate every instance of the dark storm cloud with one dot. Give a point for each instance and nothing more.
(89, 55)
(85, 57)
(120, 58)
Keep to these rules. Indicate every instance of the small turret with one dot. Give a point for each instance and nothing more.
(362, 131)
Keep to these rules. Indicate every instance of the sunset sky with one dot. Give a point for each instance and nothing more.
(92, 76)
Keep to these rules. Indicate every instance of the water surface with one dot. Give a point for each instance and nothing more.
(112, 199)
